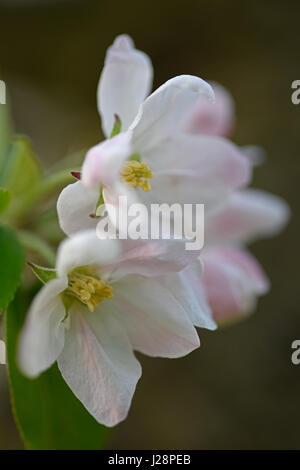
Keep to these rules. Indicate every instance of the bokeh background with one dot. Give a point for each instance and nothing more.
(240, 389)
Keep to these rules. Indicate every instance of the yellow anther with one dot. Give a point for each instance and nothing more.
(88, 289)
(136, 174)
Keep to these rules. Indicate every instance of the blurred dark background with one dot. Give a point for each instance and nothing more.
(240, 389)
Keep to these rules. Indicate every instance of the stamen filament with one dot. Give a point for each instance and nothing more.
(88, 290)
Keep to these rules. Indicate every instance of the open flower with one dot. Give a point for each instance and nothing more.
(103, 304)
(152, 159)
(233, 278)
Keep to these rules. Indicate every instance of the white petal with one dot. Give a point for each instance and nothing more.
(162, 113)
(98, 364)
(42, 337)
(118, 198)
(124, 83)
(255, 154)
(84, 249)
(248, 214)
(103, 162)
(187, 289)
(74, 206)
(195, 169)
(155, 321)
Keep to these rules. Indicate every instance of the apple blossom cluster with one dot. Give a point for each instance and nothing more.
(109, 297)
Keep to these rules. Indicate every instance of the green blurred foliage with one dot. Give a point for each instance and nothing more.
(5, 198)
(20, 172)
(11, 266)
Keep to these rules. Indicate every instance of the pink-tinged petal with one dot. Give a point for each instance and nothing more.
(249, 265)
(117, 257)
(213, 118)
(43, 335)
(103, 162)
(74, 206)
(248, 214)
(151, 258)
(124, 83)
(232, 280)
(155, 321)
(163, 112)
(196, 169)
(99, 366)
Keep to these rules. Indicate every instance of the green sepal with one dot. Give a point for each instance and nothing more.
(100, 206)
(43, 274)
(117, 126)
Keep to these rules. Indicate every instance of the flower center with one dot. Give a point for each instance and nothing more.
(89, 290)
(136, 174)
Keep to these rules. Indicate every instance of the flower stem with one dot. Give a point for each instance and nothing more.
(43, 188)
(34, 243)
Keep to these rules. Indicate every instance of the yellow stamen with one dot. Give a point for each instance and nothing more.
(136, 174)
(88, 290)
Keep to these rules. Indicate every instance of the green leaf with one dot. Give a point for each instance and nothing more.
(5, 198)
(20, 171)
(48, 415)
(11, 266)
(43, 274)
(5, 133)
(20, 175)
